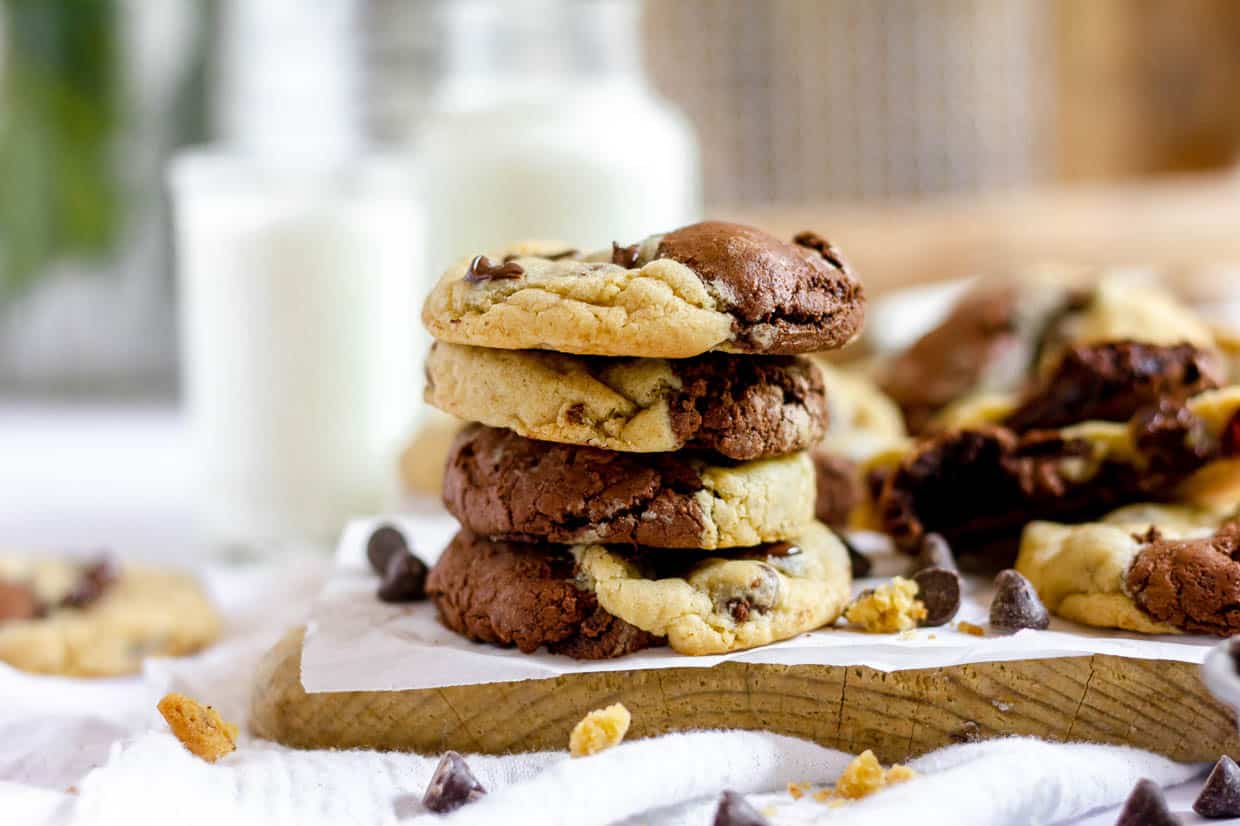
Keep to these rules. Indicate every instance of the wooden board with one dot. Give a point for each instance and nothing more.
(1157, 705)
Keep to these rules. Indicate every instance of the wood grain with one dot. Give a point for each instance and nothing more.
(1151, 704)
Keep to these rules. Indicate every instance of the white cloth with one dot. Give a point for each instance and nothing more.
(106, 741)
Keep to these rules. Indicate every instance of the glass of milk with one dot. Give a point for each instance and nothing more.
(543, 125)
(299, 335)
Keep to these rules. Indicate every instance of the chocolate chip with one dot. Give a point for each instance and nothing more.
(383, 543)
(452, 785)
(1231, 436)
(824, 248)
(935, 552)
(861, 565)
(93, 581)
(484, 269)
(1146, 806)
(1220, 796)
(404, 580)
(939, 590)
(1016, 604)
(781, 549)
(626, 257)
(734, 810)
(18, 601)
(739, 609)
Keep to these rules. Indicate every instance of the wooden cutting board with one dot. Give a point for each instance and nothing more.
(1151, 704)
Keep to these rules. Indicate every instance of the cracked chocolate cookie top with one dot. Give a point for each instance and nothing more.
(1191, 584)
(707, 286)
(505, 486)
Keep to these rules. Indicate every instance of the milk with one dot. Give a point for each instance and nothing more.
(300, 341)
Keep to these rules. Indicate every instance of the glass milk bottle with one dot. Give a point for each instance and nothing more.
(299, 259)
(543, 126)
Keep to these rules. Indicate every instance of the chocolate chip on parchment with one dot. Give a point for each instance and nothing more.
(861, 564)
(1016, 604)
(626, 257)
(935, 552)
(939, 590)
(823, 247)
(1220, 796)
(452, 785)
(383, 543)
(1146, 806)
(18, 601)
(94, 579)
(404, 580)
(482, 268)
(734, 810)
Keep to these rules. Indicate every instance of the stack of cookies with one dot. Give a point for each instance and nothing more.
(636, 472)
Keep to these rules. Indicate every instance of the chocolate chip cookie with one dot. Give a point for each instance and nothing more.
(715, 603)
(97, 619)
(1155, 569)
(708, 286)
(742, 407)
(504, 486)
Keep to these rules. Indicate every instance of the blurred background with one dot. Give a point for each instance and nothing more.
(201, 195)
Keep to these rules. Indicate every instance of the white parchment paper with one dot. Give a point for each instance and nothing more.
(354, 642)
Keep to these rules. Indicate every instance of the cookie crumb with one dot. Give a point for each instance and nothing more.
(600, 729)
(909, 634)
(970, 628)
(823, 795)
(795, 790)
(199, 728)
(888, 608)
(865, 775)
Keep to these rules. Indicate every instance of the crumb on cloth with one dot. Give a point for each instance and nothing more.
(599, 730)
(200, 728)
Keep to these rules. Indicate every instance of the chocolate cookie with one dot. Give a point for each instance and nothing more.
(742, 407)
(504, 486)
(979, 487)
(510, 593)
(708, 286)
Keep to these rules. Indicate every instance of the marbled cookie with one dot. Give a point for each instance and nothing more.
(1007, 333)
(95, 619)
(742, 407)
(596, 601)
(1147, 568)
(504, 486)
(526, 595)
(978, 487)
(708, 286)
